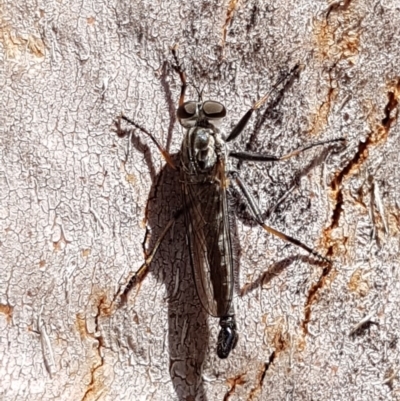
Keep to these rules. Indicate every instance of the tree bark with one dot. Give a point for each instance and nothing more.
(84, 198)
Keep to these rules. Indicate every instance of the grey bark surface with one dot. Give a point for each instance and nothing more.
(83, 199)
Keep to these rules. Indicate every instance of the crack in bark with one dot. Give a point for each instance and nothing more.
(338, 6)
(312, 294)
(390, 106)
(92, 386)
(375, 137)
(229, 16)
(261, 376)
(266, 366)
(281, 343)
(236, 381)
(96, 383)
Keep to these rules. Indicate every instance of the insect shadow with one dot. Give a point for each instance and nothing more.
(188, 331)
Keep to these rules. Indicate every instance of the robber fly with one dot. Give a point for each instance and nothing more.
(206, 174)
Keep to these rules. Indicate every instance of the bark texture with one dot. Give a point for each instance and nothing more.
(83, 198)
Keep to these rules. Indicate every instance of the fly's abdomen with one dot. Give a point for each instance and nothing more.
(209, 240)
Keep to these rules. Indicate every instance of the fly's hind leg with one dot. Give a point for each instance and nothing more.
(255, 210)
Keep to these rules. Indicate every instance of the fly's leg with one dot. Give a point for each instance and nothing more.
(228, 336)
(162, 150)
(178, 68)
(240, 126)
(257, 216)
(142, 271)
(259, 157)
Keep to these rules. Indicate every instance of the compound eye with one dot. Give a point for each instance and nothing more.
(213, 109)
(187, 110)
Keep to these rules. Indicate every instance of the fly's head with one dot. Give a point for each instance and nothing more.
(203, 143)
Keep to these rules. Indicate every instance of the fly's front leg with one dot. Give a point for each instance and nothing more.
(260, 157)
(162, 150)
(258, 218)
(138, 276)
(178, 68)
(240, 126)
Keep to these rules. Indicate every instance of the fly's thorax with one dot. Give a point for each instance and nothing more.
(201, 149)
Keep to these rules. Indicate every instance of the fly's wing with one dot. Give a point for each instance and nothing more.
(207, 222)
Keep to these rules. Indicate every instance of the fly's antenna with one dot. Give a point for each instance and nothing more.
(200, 93)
